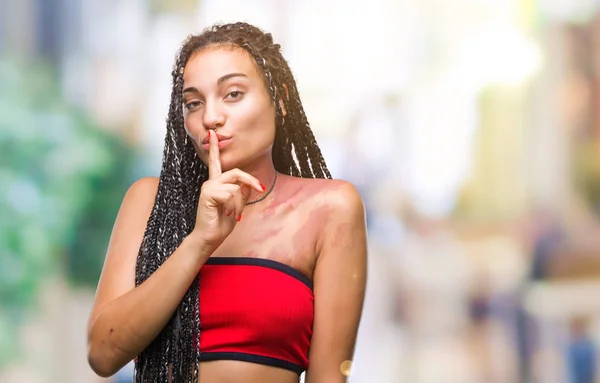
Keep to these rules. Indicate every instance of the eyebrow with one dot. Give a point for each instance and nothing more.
(222, 79)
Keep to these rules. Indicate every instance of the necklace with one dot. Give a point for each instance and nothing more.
(266, 194)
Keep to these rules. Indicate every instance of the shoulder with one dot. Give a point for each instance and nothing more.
(339, 195)
(342, 195)
(142, 192)
(334, 196)
(144, 186)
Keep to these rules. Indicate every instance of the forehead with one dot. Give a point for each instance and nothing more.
(211, 63)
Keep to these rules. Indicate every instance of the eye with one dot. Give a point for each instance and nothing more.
(235, 95)
(192, 105)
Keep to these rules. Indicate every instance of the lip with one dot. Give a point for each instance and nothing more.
(222, 144)
(220, 137)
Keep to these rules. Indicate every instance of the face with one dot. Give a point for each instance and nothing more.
(223, 88)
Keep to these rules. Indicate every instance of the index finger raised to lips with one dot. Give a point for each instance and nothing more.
(214, 161)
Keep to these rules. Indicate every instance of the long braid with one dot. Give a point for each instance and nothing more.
(173, 356)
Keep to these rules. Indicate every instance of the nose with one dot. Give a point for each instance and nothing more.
(213, 115)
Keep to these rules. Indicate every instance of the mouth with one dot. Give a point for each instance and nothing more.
(206, 141)
(222, 144)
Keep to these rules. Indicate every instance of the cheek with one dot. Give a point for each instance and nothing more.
(193, 126)
(258, 117)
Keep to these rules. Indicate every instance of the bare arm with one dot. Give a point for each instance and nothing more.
(339, 285)
(125, 318)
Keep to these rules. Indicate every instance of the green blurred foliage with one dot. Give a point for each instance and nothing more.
(61, 182)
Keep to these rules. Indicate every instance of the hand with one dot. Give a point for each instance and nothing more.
(222, 198)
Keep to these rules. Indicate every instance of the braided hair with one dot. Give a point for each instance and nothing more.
(173, 355)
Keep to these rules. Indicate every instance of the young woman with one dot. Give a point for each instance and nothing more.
(244, 261)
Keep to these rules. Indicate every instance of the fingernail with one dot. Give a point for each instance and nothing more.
(209, 134)
(239, 218)
(263, 187)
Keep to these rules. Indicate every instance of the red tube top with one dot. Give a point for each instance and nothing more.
(255, 310)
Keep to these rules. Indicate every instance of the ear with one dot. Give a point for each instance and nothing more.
(287, 93)
(287, 96)
(283, 111)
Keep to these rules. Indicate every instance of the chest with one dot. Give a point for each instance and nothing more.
(283, 233)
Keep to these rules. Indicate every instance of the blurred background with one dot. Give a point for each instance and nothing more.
(471, 128)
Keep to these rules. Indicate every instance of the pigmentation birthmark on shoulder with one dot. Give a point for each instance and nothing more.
(312, 224)
(266, 234)
(343, 238)
(250, 254)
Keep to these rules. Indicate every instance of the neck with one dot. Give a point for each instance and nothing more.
(264, 171)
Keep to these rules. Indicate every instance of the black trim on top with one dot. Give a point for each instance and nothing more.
(253, 358)
(289, 270)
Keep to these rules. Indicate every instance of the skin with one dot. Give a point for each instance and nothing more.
(316, 226)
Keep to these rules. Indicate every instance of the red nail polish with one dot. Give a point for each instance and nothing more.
(239, 218)
(263, 187)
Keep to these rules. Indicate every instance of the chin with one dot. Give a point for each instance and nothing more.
(228, 163)
(226, 167)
